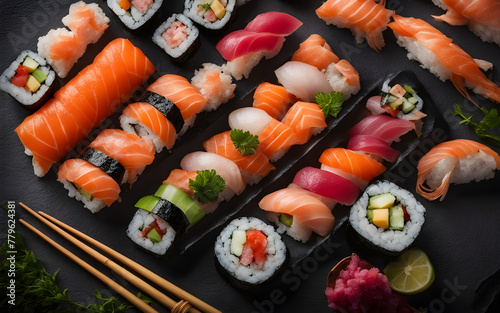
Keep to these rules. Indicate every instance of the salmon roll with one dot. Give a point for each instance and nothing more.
(178, 37)
(249, 253)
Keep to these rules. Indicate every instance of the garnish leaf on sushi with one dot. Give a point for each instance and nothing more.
(207, 186)
(244, 141)
(491, 120)
(330, 103)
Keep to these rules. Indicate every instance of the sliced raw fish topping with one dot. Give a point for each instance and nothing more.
(382, 126)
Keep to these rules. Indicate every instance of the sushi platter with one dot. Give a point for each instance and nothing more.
(459, 233)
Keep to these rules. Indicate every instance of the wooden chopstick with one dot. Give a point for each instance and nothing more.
(133, 299)
(158, 280)
(136, 281)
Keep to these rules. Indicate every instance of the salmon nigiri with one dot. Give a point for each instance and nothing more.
(366, 18)
(357, 167)
(274, 99)
(316, 52)
(443, 58)
(343, 77)
(180, 179)
(132, 151)
(306, 119)
(482, 16)
(457, 161)
(102, 189)
(309, 213)
(253, 167)
(178, 89)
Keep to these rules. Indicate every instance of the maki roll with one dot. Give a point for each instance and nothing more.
(135, 15)
(163, 217)
(386, 218)
(211, 14)
(93, 178)
(178, 37)
(29, 80)
(248, 252)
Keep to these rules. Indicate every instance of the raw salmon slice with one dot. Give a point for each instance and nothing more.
(273, 99)
(306, 119)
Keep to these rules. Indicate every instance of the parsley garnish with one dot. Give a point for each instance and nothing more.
(207, 186)
(491, 120)
(37, 290)
(244, 141)
(330, 103)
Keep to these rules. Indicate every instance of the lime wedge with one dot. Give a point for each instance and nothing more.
(410, 273)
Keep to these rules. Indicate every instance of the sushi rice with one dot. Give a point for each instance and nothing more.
(339, 82)
(395, 241)
(94, 205)
(215, 94)
(275, 252)
(192, 33)
(134, 19)
(19, 93)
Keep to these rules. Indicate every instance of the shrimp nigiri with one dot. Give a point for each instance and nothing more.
(480, 15)
(457, 161)
(444, 59)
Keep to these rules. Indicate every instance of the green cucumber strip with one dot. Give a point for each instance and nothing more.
(147, 203)
(409, 89)
(183, 201)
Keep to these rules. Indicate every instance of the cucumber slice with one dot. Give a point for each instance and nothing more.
(407, 106)
(369, 215)
(396, 103)
(396, 217)
(409, 89)
(381, 201)
(85, 193)
(193, 211)
(147, 203)
(238, 239)
(39, 75)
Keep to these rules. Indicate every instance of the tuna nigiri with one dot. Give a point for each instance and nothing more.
(275, 137)
(365, 18)
(273, 99)
(385, 127)
(83, 103)
(309, 213)
(457, 161)
(315, 51)
(443, 58)
(357, 167)
(277, 23)
(178, 89)
(253, 167)
(132, 151)
(373, 147)
(480, 15)
(79, 174)
(306, 119)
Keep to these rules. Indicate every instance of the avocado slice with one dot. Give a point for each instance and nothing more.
(286, 219)
(381, 201)
(30, 64)
(85, 193)
(154, 236)
(33, 84)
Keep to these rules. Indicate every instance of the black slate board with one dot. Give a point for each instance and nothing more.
(459, 234)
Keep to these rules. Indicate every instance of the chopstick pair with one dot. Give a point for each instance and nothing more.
(182, 306)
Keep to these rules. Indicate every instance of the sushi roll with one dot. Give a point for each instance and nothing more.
(178, 37)
(135, 15)
(162, 217)
(61, 47)
(386, 218)
(29, 80)
(248, 252)
(211, 14)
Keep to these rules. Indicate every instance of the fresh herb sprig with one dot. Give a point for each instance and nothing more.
(491, 120)
(37, 290)
(207, 186)
(330, 103)
(244, 141)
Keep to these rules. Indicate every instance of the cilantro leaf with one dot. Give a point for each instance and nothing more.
(330, 103)
(207, 186)
(244, 141)
(490, 121)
